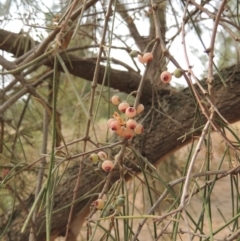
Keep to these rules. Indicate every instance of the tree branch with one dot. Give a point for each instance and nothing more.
(140, 41)
(125, 81)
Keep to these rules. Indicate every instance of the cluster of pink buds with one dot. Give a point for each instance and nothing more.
(101, 158)
(125, 127)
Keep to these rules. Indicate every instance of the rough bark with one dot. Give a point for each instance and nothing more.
(159, 139)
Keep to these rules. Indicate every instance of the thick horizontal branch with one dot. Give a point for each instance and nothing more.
(125, 81)
(16, 44)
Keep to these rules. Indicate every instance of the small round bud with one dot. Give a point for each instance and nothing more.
(140, 59)
(165, 77)
(133, 53)
(114, 125)
(123, 106)
(102, 155)
(140, 108)
(131, 124)
(115, 100)
(138, 129)
(120, 202)
(120, 131)
(177, 73)
(109, 121)
(107, 165)
(93, 158)
(110, 208)
(147, 57)
(128, 133)
(130, 112)
(99, 204)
